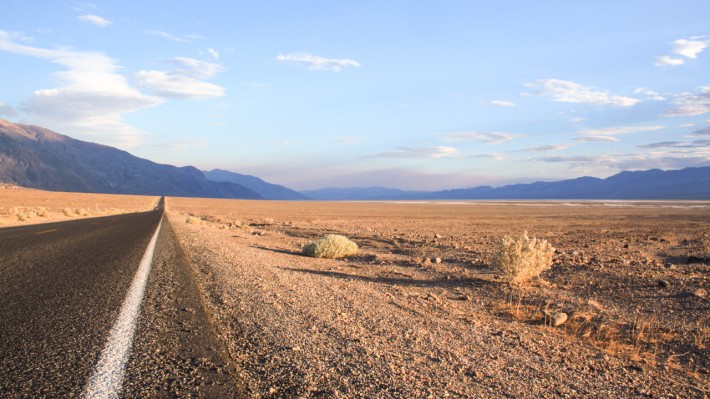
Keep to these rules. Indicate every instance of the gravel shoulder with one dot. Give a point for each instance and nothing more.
(392, 322)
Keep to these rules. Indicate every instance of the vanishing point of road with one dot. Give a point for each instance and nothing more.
(102, 308)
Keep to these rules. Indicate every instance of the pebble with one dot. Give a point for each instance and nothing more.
(701, 293)
(664, 284)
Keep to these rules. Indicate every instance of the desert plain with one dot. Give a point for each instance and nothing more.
(418, 312)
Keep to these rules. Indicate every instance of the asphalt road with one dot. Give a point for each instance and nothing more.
(62, 286)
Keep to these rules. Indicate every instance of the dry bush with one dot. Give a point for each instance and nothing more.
(41, 212)
(193, 220)
(82, 212)
(68, 212)
(523, 259)
(332, 246)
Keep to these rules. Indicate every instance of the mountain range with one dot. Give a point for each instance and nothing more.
(34, 157)
(654, 184)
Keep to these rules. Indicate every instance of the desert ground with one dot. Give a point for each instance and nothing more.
(418, 312)
(21, 206)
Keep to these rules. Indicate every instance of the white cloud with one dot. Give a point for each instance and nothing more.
(689, 48)
(7, 110)
(485, 137)
(90, 100)
(690, 104)
(213, 53)
(502, 103)
(95, 20)
(174, 38)
(185, 82)
(650, 94)
(572, 92)
(577, 119)
(687, 125)
(318, 63)
(666, 60)
(420, 153)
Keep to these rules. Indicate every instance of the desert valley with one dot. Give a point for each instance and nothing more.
(419, 312)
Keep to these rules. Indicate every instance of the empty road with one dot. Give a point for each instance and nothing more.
(62, 288)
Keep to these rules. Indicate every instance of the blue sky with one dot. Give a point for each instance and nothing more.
(406, 94)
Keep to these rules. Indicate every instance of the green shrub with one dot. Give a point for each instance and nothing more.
(332, 246)
(522, 259)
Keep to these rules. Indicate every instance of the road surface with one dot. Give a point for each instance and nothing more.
(62, 287)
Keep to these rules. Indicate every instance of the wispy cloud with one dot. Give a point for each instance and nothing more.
(572, 92)
(185, 82)
(213, 53)
(419, 153)
(7, 110)
(650, 94)
(174, 38)
(484, 137)
(590, 139)
(614, 131)
(662, 159)
(95, 20)
(494, 156)
(502, 103)
(690, 104)
(549, 147)
(678, 144)
(318, 63)
(687, 48)
(90, 99)
(666, 60)
(702, 132)
(257, 85)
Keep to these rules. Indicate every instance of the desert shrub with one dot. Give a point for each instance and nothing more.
(2, 221)
(68, 212)
(41, 212)
(82, 212)
(331, 246)
(268, 221)
(193, 220)
(522, 259)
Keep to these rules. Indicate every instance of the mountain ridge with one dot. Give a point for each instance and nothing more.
(35, 157)
(692, 183)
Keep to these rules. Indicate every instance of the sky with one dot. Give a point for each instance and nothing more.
(417, 95)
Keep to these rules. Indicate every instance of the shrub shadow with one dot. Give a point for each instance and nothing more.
(410, 282)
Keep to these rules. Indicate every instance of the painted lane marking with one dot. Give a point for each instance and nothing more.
(106, 379)
(44, 232)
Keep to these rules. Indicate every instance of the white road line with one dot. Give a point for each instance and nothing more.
(107, 377)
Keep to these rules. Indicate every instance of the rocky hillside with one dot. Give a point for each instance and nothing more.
(31, 156)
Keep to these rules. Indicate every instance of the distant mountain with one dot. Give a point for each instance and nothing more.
(266, 190)
(655, 184)
(31, 156)
(361, 194)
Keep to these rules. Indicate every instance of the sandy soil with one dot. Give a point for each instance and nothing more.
(419, 312)
(20, 206)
